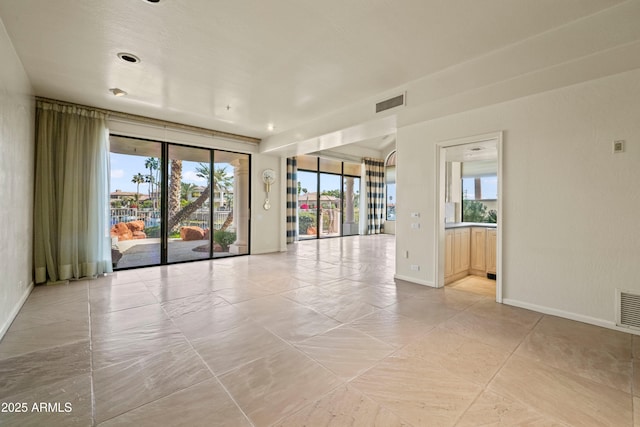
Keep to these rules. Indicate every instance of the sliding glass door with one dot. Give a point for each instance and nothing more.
(351, 206)
(307, 205)
(230, 204)
(328, 198)
(205, 203)
(330, 206)
(135, 202)
(189, 208)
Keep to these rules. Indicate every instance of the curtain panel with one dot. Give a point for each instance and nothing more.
(374, 182)
(292, 200)
(71, 203)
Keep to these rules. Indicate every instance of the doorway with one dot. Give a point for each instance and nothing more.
(455, 256)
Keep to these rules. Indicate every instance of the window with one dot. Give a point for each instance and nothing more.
(479, 196)
(390, 179)
(480, 188)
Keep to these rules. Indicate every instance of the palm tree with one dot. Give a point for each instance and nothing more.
(186, 188)
(152, 164)
(138, 179)
(222, 182)
(149, 179)
(174, 190)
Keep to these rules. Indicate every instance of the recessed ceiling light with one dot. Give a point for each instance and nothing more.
(117, 91)
(152, 1)
(271, 127)
(128, 57)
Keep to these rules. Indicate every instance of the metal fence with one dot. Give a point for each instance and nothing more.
(151, 217)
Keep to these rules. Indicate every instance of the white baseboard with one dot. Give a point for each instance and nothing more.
(16, 309)
(414, 280)
(569, 315)
(267, 251)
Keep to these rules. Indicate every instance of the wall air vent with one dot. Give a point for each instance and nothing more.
(628, 309)
(390, 103)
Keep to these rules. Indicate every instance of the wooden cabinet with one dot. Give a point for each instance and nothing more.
(478, 251)
(491, 250)
(457, 254)
(469, 250)
(461, 250)
(448, 254)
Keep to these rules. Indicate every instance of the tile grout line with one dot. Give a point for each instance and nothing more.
(91, 379)
(486, 387)
(506, 360)
(208, 368)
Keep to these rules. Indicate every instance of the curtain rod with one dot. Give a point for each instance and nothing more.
(149, 120)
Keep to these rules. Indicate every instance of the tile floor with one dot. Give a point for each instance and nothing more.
(318, 336)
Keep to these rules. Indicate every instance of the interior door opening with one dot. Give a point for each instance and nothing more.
(470, 215)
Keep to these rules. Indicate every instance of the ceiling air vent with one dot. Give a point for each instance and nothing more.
(628, 305)
(390, 103)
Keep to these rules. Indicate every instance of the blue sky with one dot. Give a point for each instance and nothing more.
(489, 186)
(308, 180)
(125, 166)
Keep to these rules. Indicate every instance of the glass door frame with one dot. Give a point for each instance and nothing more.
(164, 207)
(342, 175)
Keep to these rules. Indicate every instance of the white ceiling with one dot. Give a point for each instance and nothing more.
(315, 68)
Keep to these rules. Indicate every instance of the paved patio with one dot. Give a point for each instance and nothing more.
(141, 252)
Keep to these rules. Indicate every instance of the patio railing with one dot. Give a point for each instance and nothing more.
(151, 217)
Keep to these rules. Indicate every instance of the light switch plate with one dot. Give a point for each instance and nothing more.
(618, 146)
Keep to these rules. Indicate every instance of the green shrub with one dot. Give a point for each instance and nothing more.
(305, 220)
(152, 232)
(473, 211)
(224, 238)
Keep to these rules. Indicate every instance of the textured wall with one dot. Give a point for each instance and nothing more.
(570, 206)
(16, 182)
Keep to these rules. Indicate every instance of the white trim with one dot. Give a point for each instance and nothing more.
(135, 129)
(16, 310)
(439, 205)
(569, 315)
(414, 280)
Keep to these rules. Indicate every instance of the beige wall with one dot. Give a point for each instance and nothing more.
(17, 118)
(570, 206)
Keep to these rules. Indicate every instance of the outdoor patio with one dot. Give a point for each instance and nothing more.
(141, 252)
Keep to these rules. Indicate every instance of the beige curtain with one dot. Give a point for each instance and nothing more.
(71, 206)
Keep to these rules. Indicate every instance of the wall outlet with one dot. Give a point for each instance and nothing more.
(415, 214)
(415, 267)
(415, 225)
